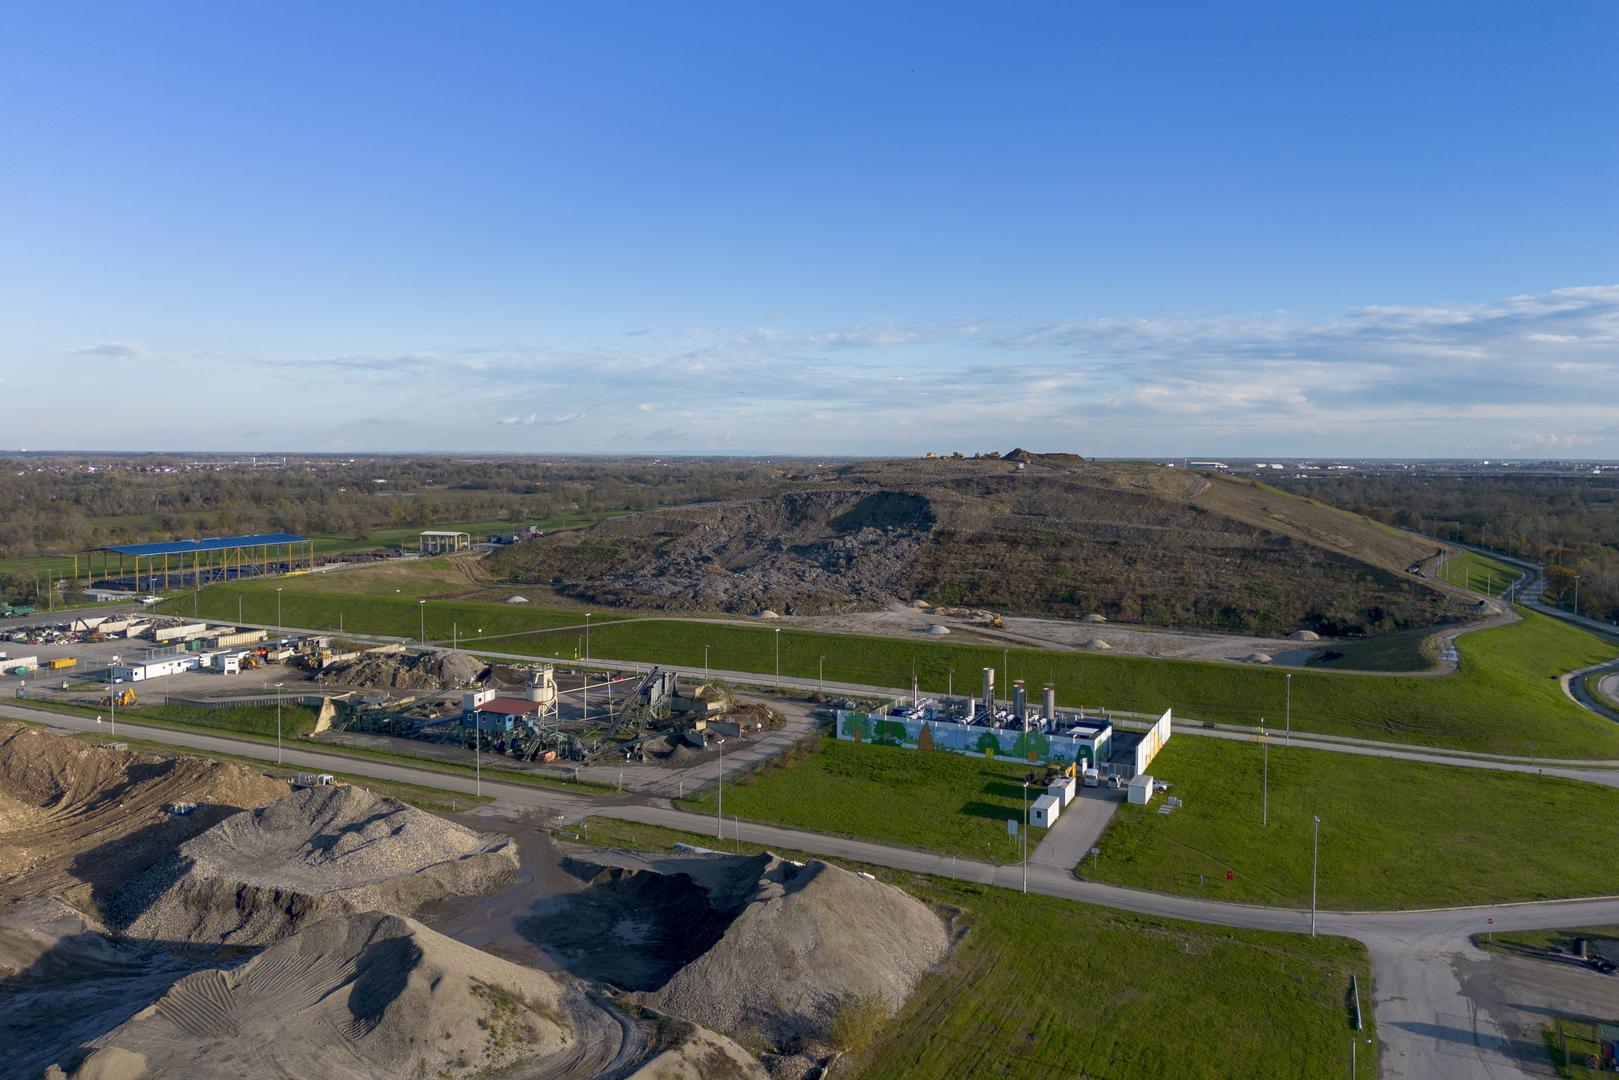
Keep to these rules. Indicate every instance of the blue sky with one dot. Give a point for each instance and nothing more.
(1128, 229)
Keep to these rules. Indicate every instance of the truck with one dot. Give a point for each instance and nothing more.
(15, 611)
(1093, 778)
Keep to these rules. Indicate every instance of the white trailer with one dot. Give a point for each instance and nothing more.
(1140, 791)
(1044, 811)
(1064, 789)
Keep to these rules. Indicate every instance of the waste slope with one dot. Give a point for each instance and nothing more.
(350, 998)
(76, 819)
(257, 877)
(812, 939)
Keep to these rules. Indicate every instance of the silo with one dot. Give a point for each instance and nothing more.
(989, 690)
(1020, 700)
(1048, 703)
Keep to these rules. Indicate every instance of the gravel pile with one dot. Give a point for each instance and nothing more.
(351, 998)
(258, 876)
(810, 939)
(405, 671)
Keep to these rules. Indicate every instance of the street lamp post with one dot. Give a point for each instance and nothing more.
(587, 636)
(477, 747)
(1027, 778)
(278, 607)
(778, 659)
(949, 682)
(820, 676)
(705, 663)
(719, 810)
(1287, 733)
(278, 687)
(421, 613)
(1264, 787)
(1315, 865)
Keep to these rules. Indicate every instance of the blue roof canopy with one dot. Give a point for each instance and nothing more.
(212, 543)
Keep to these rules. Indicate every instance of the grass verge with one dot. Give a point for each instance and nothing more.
(1394, 834)
(1471, 570)
(1040, 987)
(943, 802)
(204, 723)
(425, 798)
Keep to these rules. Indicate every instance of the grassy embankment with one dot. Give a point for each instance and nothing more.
(1505, 695)
(256, 723)
(1040, 987)
(1471, 570)
(951, 803)
(1394, 834)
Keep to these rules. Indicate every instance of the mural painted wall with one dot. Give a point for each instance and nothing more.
(1030, 746)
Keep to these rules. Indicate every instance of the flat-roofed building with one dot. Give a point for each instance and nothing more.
(442, 542)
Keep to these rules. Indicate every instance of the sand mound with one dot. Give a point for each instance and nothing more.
(937, 630)
(76, 819)
(406, 671)
(809, 939)
(351, 998)
(1097, 643)
(1093, 617)
(257, 877)
(702, 1055)
(1304, 635)
(1259, 658)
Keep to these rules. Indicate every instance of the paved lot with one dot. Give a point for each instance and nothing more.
(1078, 827)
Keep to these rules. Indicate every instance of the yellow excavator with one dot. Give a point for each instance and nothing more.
(122, 698)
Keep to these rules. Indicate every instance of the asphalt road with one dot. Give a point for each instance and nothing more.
(1434, 1021)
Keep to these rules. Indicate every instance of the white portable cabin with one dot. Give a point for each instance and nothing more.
(1044, 811)
(1140, 791)
(1063, 789)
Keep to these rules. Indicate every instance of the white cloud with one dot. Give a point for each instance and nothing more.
(125, 350)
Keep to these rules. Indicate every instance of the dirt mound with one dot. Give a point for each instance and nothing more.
(1057, 536)
(702, 1055)
(76, 819)
(257, 877)
(406, 671)
(350, 998)
(670, 749)
(808, 940)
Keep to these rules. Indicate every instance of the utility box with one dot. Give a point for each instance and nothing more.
(1140, 792)
(61, 662)
(1044, 811)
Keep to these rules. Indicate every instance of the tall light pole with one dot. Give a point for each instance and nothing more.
(1027, 777)
(1264, 787)
(421, 612)
(820, 667)
(1315, 865)
(1287, 734)
(719, 810)
(705, 663)
(949, 682)
(778, 659)
(278, 607)
(477, 745)
(587, 636)
(112, 696)
(278, 687)
(238, 609)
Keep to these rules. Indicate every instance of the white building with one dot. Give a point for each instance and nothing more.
(1044, 811)
(1140, 791)
(156, 667)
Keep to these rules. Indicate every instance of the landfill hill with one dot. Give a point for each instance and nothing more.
(77, 820)
(256, 877)
(1034, 534)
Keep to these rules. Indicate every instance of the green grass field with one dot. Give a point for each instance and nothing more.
(1408, 651)
(1394, 834)
(939, 802)
(1471, 570)
(1039, 987)
(1505, 695)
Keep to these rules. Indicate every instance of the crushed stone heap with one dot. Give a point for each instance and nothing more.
(258, 876)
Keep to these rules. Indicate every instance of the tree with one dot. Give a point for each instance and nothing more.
(889, 733)
(857, 725)
(1032, 745)
(988, 743)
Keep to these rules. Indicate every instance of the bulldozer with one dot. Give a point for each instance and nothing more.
(123, 697)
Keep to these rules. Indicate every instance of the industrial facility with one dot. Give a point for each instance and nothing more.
(986, 725)
(444, 542)
(186, 564)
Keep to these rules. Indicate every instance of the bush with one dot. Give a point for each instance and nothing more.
(857, 1022)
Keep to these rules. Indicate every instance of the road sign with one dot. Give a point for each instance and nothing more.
(1011, 826)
